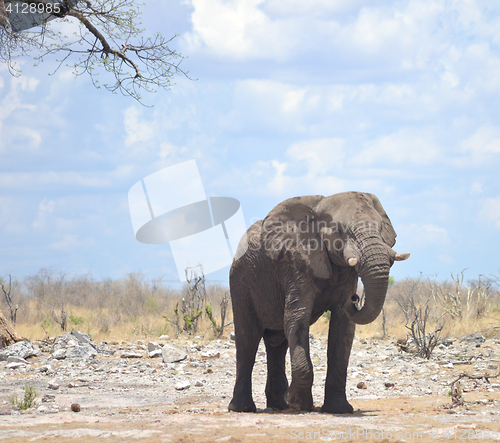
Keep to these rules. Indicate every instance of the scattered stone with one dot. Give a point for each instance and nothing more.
(74, 346)
(388, 384)
(53, 385)
(45, 409)
(13, 359)
(153, 346)
(171, 354)
(82, 338)
(60, 354)
(361, 385)
(157, 353)
(15, 365)
(72, 385)
(208, 371)
(208, 355)
(180, 386)
(473, 339)
(130, 354)
(198, 383)
(22, 349)
(48, 398)
(163, 337)
(75, 407)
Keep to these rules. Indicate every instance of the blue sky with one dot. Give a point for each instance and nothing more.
(396, 98)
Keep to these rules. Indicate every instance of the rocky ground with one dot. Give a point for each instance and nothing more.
(178, 390)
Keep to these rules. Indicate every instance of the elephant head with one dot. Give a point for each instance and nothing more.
(351, 229)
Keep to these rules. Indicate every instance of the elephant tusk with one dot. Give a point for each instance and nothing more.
(352, 261)
(355, 299)
(401, 257)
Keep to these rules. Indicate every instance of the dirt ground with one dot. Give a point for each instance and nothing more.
(130, 400)
(382, 420)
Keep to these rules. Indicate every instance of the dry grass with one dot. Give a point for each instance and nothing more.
(133, 308)
(123, 309)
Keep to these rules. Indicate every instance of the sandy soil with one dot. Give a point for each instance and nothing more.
(122, 402)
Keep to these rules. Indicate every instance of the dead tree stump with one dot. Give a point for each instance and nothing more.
(8, 336)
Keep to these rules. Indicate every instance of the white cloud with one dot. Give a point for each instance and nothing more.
(23, 83)
(49, 179)
(408, 146)
(69, 242)
(322, 160)
(476, 188)
(484, 142)
(45, 208)
(14, 135)
(490, 211)
(137, 130)
(319, 155)
(427, 233)
(230, 28)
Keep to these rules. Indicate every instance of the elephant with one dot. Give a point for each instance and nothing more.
(302, 260)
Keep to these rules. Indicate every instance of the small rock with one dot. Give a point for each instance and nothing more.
(232, 336)
(75, 346)
(208, 371)
(53, 385)
(153, 346)
(164, 337)
(13, 359)
(448, 365)
(130, 354)
(75, 407)
(45, 368)
(170, 354)
(155, 354)
(361, 385)
(389, 384)
(48, 398)
(72, 385)
(210, 355)
(198, 383)
(15, 365)
(21, 349)
(180, 386)
(473, 338)
(60, 354)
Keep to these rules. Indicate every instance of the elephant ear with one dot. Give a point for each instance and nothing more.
(289, 233)
(386, 230)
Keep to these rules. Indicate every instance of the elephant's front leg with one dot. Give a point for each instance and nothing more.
(299, 394)
(340, 337)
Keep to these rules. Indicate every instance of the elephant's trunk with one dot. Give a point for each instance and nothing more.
(374, 269)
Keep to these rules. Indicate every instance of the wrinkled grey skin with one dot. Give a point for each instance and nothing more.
(302, 260)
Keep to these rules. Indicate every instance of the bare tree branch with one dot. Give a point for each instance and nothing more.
(108, 42)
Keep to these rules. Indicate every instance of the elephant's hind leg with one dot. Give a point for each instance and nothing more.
(248, 335)
(277, 384)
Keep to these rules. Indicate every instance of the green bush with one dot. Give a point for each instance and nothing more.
(29, 400)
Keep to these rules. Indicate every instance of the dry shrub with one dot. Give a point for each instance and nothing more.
(120, 309)
(134, 307)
